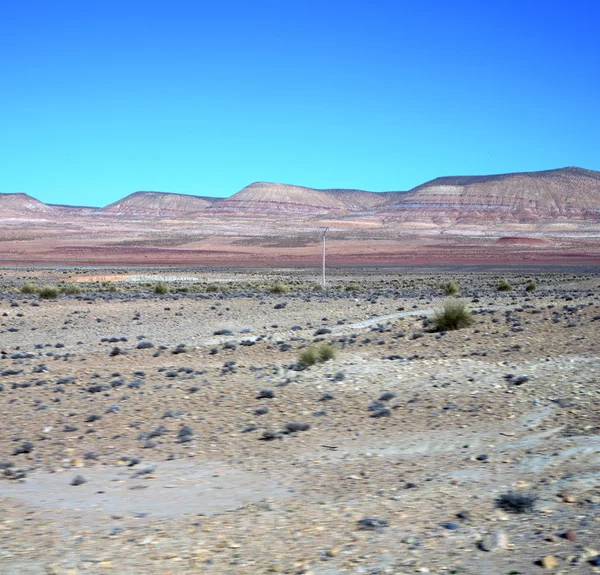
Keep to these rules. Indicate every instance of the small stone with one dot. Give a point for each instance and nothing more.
(568, 498)
(78, 480)
(494, 541)
(451, 526)
(548, 562)
(570, 535)
(372, 523)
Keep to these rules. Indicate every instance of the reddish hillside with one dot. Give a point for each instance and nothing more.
(157, 204)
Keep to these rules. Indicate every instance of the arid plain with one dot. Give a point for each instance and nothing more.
(179, 431)
(162, 416)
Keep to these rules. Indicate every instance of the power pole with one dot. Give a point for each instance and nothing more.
(324, 240)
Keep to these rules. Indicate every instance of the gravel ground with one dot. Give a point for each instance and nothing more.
(178, 433)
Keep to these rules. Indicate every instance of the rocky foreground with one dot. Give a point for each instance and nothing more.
(170, 433)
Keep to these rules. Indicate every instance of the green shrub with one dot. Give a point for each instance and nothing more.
(308, 357)
(530, 286)
(212, 288)
(161, 288)
(29, 288)
(312, 355)
(326, 352)
(71, 289)
(454, 315)
(48, 292)
(352, 286)
(449, 288)
(504, 286)
(279, 288)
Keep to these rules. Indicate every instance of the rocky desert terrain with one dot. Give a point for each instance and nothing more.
(247, 421)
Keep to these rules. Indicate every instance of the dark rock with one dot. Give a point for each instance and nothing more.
(26, 447)
(145, 345)
(270, 436)
(322, 331)
(516, 502)
(451, 526)
(385, 412)
(294, 427)
(372, 524)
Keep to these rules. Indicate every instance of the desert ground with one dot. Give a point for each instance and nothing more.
(179, 432)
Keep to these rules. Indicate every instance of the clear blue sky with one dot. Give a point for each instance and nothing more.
(100, 98)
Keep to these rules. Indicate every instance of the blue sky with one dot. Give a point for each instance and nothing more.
(100, 98)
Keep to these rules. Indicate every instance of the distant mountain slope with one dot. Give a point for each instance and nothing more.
(158, 204)
(271, 197)
(567, 193)
(23, 204)
(526, 196)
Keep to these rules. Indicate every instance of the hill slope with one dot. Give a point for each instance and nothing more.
(526, 196)
(158, 204)
(23, 204)
(271, 197)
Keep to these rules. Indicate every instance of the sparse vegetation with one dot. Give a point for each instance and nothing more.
(326, 352)
(531, 286)
(211, 288)
(450, 288)
(314, 355)
(71, 289)
(308, 357)
(352, 286)
(454, 315)
(29, 288)
(503, 285)
(48, 292)
(161, 288)
(279, 288)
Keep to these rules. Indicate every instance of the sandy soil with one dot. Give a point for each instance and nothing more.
(188, 465)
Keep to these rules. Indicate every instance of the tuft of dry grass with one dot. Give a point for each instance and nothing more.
(454, 315)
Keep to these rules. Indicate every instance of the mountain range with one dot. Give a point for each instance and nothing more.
(571, 193)
(550, 216)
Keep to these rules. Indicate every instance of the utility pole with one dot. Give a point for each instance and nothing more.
(324, 240)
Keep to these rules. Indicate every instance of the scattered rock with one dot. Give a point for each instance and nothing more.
(548, 562)
(372, 524)
(494, 541)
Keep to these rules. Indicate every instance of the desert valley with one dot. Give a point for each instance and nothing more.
(180, 394)
(543, 217)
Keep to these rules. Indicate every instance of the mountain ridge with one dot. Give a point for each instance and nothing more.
(570, 192)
